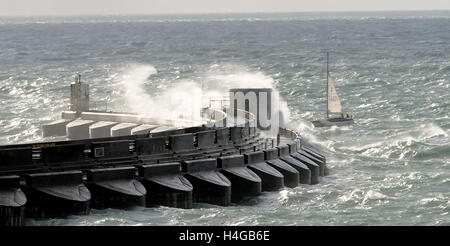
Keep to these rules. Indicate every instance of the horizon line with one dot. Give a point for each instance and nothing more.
(223, 13)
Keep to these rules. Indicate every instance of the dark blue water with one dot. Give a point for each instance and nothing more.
(391, 70)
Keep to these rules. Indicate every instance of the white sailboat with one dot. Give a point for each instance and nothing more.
(335, 115)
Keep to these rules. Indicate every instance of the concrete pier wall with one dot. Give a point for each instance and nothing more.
(304, 171)
(12, 201)
(115, 187)
(123, 159)
(78, 129)
(272, 180)
(244, 182)
(291, 175)
(55, 128)
(210, 186)
(101, 129)
(56, 194)
(122, 129)
(128, 118)
(177, 169)
(166, 186)
(143, 129)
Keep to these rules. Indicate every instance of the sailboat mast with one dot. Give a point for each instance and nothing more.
(327, 85)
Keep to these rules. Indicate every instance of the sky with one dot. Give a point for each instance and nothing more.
(133, 7)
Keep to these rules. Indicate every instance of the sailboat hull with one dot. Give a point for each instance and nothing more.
(333, 122)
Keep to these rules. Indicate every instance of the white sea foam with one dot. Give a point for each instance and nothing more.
(181, 101)
(185, 98)
(384, 146)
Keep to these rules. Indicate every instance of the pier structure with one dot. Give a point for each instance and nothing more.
(182, 163)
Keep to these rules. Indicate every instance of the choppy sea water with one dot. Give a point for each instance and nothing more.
(391, 70)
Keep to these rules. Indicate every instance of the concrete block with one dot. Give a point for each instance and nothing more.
(122, 129)
(54, 178)
(223, 136)
(63, 153)
(78, 129)
(16, 157)
(69, 115)
(283, 150)
(255, 157)
(270, 154)
(101, 129)
(199, 165)
(151, 146)
(105, 174)
(111, 149)
(181, 142)
(231, 161)
(162, 130)
(55, 128)
(206, 139)
(143, 129)
(12, 181)
(152, 170)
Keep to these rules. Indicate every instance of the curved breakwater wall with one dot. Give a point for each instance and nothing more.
(174, 168)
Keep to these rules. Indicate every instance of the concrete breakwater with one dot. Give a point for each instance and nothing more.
(217, 166)
(121, 160)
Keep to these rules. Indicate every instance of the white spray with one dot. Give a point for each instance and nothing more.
(132, 82)
(185, 99)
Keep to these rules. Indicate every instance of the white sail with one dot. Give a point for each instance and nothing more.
(334, 104)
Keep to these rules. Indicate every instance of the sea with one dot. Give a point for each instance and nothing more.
(391, 72)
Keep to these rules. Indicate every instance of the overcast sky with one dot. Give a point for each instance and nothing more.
(104, 7)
